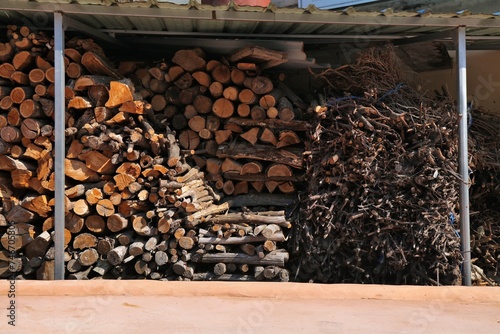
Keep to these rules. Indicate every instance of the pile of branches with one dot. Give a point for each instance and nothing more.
(484, 149)
(381, 205)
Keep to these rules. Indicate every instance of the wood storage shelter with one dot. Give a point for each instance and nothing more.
(120, 25)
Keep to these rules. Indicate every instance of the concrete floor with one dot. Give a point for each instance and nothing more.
(223, 307)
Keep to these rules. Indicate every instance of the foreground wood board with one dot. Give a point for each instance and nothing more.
(111, 306)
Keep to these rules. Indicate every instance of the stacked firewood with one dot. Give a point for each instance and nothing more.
(137, 201)
(381, 205)
(239, 126)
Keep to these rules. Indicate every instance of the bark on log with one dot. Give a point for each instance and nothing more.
(277, 259)
(241, 240)
(259, 152)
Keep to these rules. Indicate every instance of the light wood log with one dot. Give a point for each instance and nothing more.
(269, 245)
(74, 70)
(116, 255)
(231, 93)
(46, 271)
(105, 245)
(95, 64)
(247, 96)
(257, 113)
(203, 78)
(189, 139)
(141, 225)
(95, 224)
(77, 170)
(6, 103)
(184, 82)
(221, 136)
(189, 60)
(23, 60)
(241, 240)
(174, 73)
(223, 108)
(268, 137)
(105, 208)
(230, 165)
(20, 78)
(252, 167)
(118, 94)
(240, 188)
(285, 109)
(19, 94)
(93, 195)
(161, 258)
(88, 257)
(186, 242)
(116, 222)
(136, 248)
(216, 89)
(9, 164)
(287, 138)
(270, 100)
(203, 104)
(209, 276)
(14, 117)
(39, 246)
(84, 240)
(97, 162)
(251, 135)
(277, 259)
(222, 73)
(237, 76)
(259, 84)
(42, 63)
(101, 267)
(11, 134)
(31, 128)
(197, 123)
(6, 52)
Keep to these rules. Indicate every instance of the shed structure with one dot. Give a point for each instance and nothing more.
(148, 24)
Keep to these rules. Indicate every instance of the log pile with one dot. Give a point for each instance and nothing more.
(381, 206)
(148, 149)
(236, 124)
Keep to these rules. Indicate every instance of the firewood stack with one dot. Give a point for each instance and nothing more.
(140, 198)
(381, 205)
(237, 125)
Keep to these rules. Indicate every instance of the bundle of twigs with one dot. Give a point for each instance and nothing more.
(485, 193)
(382, 198)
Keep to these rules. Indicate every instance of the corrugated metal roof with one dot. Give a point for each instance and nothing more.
(127, 17)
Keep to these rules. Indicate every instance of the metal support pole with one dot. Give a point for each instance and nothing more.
(60, 153)
(463, 153)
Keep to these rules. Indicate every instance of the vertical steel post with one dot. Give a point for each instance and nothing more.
(60, 153)
(463, 152)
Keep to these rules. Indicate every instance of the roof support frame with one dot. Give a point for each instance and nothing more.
(61, 12)
(268, 16)
(425, 38)
(92, 32)
(60, 146)
(463, 159)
